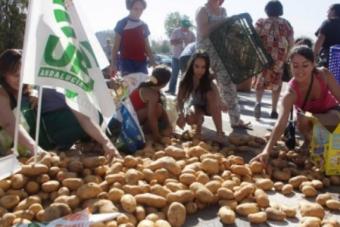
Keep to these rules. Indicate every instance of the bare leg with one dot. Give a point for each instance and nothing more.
(330, 119)
(215, 111)
(275, 97)
(305, 127)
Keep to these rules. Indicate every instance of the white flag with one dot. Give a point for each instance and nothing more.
(59, 51)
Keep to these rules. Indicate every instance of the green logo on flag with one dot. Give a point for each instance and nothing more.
(72, 63)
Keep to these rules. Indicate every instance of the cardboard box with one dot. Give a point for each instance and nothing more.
(325, 147)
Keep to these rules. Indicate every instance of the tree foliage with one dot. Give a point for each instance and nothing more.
(172, 21)
(12, 23)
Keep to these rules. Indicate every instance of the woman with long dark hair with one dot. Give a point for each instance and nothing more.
(199, 96)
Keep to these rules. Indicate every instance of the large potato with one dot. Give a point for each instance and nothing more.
(151, 200)
(226, 215)
(311, 209)
(257, 218)
(88, 191)
(128, 203)
(176, 214)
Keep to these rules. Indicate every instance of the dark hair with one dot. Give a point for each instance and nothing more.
(304, 41)
(274, 8)
(336, 8)
(10, 62)
(162, 73)
(187, 81)
(129, 3)
(302, 50)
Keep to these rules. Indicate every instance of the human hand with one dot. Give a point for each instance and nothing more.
(110, 151)
(113, 70)
(262, 157)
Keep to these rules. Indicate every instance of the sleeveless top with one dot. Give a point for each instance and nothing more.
(136, 100)
(325, 102)
(212, 18)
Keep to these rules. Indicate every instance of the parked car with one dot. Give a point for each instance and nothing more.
(163, 59)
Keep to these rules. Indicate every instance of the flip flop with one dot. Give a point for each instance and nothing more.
(242, 125)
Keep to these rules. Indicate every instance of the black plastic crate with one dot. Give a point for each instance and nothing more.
(240, 48)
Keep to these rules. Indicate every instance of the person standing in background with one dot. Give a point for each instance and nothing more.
(208, 18)
(277, 36)
(328, 35)
(131, 40)
(179, 39)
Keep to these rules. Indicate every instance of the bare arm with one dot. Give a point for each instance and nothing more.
(202, 22)
(286, 106)
(94, 131)
(332, 84)
(7, 122)
(218, 96)
(318, 44)
(149, 52)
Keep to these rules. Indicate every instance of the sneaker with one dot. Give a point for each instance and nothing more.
(274, 115)
(257, 111)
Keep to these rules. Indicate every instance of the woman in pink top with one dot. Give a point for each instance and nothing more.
(323, 100)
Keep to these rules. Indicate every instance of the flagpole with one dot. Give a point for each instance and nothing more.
(17, 117)
(37, 126)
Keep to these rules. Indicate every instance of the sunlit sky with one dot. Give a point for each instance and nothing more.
(304, 15)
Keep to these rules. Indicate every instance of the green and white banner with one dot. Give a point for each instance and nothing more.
(61, 52)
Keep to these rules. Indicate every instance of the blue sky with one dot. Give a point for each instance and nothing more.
(304, 15)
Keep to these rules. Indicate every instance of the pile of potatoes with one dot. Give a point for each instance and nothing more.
(157, 187)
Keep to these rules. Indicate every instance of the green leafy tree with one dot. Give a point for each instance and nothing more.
(172, 21)
(12, 23)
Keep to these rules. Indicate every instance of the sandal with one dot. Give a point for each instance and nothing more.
(242, 125)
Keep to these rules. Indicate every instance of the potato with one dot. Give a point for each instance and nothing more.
(182, 196)
(311, 209)
(257, 218)
(5, 184)
(241, 170)
(35, 208)
(317, 184)
(297, 180)
(72, 183)
(176, 214)
(322, 198)
(116, 177)
(287, 189)
(333, 204)
(244, 209)
(93, 162)
(88, 191)
(278, 185)
(160, 190)
(256, 167)
(7, 219)
(54, 211)
(18, 181)
(196, 151)
(210, 166)
(34, 169)
(24, 214)
(146, 223)
(50, 186)
(281, 175)
(203, 194)
(9, 201)
(191, 207)
(151, 200)
(72, 200)
(213, 185)
(330, 223)
(309, 191)
(225, 193)
(128, 203)
(32, 187)
(202, 177)
(261, 198)
(140, 213)
(275, 214)
(168, 163)
(335, 180)
(24, 204)
(244, 192)
(310, 222)
(226, 215)
(75, 166)
(175, 152)
(187, 178)
(232, 204)
(289, 211)
(265, 184)
(162, 223)
(130, 161)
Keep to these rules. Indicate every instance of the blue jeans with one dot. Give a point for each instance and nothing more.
(174, 75)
